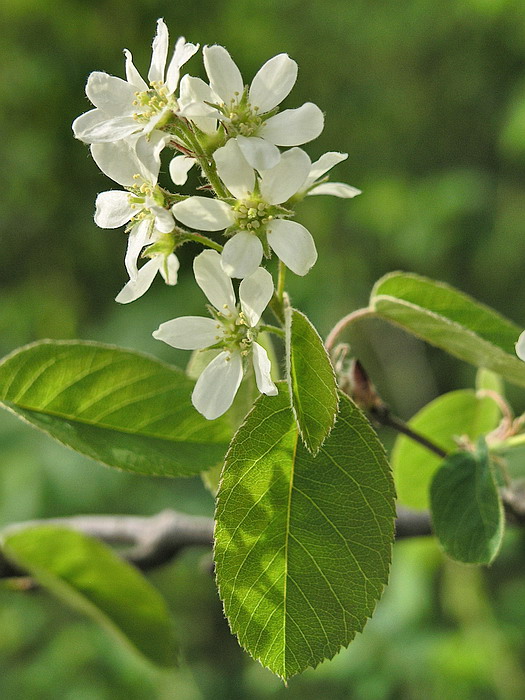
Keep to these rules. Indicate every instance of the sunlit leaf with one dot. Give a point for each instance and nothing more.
(451, 320)
(122, 408)
(303, 543)
(88, 576)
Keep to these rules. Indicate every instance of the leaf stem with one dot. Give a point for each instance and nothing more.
(385, 417)
(344, 322)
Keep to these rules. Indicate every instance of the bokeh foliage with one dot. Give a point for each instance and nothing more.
(428, 99)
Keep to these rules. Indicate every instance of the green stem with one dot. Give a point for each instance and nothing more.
(206, 164)
(272, 329)
(204, 240)
(277, 306)
(344, 322)
(280, 281)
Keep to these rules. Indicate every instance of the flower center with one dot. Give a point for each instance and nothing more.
(237, 334)
(243, 119)
(252, 214)
(153, 101)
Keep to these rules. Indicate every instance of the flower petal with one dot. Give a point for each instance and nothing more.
(86, 122)
(285, 179)
(204, 213)
(139, 236)
(148, 150)
(179, 168)
(113, 209)
(234, 170)
(139, 286)
(293, 244)
(159, 53)
(106, 130)
(164, 221)
(263, 367)
(325, 163)
(520, 346)
(132, 75)
(183, 52)
(225, 78)
(241, 255)
(213, 281)
(273, 83)
(337, 189)
(193, 95)
(119, 161)
(255, 292)
(294, 126)
(217, 385)
(259, 153)
(189, 332)
(169, 268)
(110, 94)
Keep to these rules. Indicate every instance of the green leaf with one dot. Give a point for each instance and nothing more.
(450, 320)
(121, 408)
(450, 415)
(467, 512)
(90, 577)
(311, 380)
(302, 543)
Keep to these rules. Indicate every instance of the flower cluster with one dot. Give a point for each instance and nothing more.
(234, 134)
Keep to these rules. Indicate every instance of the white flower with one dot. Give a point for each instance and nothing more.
(256, 217)
(233, 330)
(249, 115)
(520, 346)
(316, 184)
(126, 107)
(141, 207)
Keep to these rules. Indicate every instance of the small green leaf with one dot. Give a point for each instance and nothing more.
(447, 417)
(451, 320)
(467, 512)
(302, 543)
(311, 380)
(121, 408)
(90, 577)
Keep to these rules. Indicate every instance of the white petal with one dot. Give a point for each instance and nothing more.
(86, 122)
(164, 221)
(520, 346)
(179, 168)
(273, 83)
(213, 281)
(234, 170)
(169, 268)
(293, 244)
(193, 95)
(118, 160)
(325, 163)
(110, 94)
(132, 75)
(241, 255)
(113, 129)
(113, 209)
(262, 367)
(139, 236)
(283, 181)
(148, 150)
(294, 126)
(204, 213)
(259, 153)
(337, 189)
(183, 52)
(225, 77)
(159, 53)
(189, 332)
(139, 286)
(217, 385)
(255, 292)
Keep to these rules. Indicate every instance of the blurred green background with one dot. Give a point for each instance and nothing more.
(428, 99)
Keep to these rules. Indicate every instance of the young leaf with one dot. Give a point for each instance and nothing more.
(311, 380)
(121, 408)
(302, 543)
(467, 512)
(450, 320)
(88, 576)
(450, 415)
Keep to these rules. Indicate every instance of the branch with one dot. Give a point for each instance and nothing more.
(156, 540)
